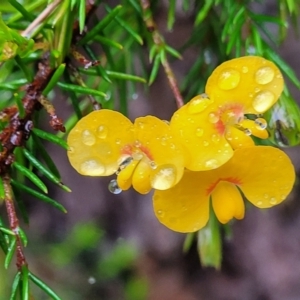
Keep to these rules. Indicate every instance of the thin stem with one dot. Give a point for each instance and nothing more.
(13, 221)
(158, 40)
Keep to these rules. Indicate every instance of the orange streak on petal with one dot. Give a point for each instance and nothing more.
(233, 180)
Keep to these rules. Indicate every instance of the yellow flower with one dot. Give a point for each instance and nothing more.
(264, 174)
(144, 154)
(211, 125)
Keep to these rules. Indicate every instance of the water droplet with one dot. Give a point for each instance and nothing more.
(273, 200)
(245, 69)
(91, 280)
(213, 118)
(163, 177)
(71, 149)
(140, 124)
(113, 187)
(153, 165)
(137, 143)
(247, 131)
(125, 162)
(263, 101)
(137, 155)
(199, 104)
(264, 75)
(229, 79)
(261, 123)
(199, 132)
(266, 196)
(205, 143)
(92, 167)
(163, 141)
(118, 141)
(259, 203)
(102, 132)
(215, 138)
(167, 122)
(212, 164)
(161, 213)
(88, 138)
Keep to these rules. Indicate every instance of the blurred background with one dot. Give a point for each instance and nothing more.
(112, 247)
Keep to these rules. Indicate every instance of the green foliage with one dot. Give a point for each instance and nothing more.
(46, 50)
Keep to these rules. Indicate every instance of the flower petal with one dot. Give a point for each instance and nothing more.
(185, 207)
(237, 138)
(250, 80)
(264, 174)
(124, 178)
(164, 150)
(96, 141)
(141, 178)
(207, 148)
(227, 202)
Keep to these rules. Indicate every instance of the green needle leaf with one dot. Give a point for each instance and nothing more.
(43, 286)
(15, 286)
(7, 231)
(31, 176)
(54, 79)
(80, 89)
(108, 42)
(171, 14)
(50, 137)
(155, 69)
(11, 251)
(101, 25)
(25, 282)
(23, 237)
(38, 195)
(36, 163)
(82, 4)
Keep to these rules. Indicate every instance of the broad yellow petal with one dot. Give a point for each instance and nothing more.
(198, 132)
(227, 202)
(167, 156)
(237, 138)
(185, 207)
(96, 141)
(250, 80)
(265, 174)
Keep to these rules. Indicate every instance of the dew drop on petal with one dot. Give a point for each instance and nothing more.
(153, 165)
(215, 138)
(163, 177)
(229, 79)
(140, 124)
(92, 167)
(88, 138)
(247, 131)
(205, 143)
(102, 132)
(245, 69)
(163, 141)
(161, 213)
(213, 118)
(137, 143)
(212, 164)
(263, 101)
(266, 196)
(261, 123)
(273, 201)
(113, 187)
(199, 104)
(259, 203)
(71, 149)
(264, 75)
(125, 162)
(118, 141)
(137, 155)
(199, 132)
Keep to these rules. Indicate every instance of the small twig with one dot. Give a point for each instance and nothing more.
(13, 221)
(157, 39)
(40, 18)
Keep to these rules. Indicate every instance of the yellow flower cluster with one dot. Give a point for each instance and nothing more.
(205, 153)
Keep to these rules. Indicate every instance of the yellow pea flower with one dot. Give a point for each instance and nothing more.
(212, 125)
(264, 174)
(144, 154)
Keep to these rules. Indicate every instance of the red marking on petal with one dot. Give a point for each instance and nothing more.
(233, 180)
